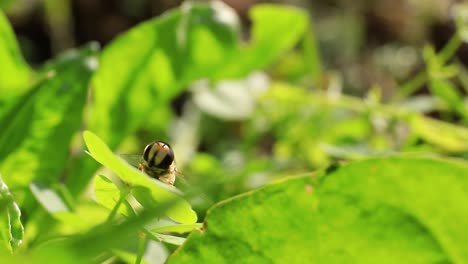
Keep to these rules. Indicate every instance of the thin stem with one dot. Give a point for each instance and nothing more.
(445, 54)
(66, 195)
(113, 213)
(412, 85)
(450, 48)
(141, 248)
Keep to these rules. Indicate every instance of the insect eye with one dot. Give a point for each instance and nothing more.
(146, 152)
(167, 156)
(158, 154)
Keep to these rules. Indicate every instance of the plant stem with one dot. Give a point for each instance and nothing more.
(445, 54)
(113, 213)
(450, 48)
(141, 248)
(412, 85)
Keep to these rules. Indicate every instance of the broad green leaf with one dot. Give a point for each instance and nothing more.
(15, 73)
(48, 198)
(444, 135)
(11, 228)
(108, 195)
(155, 190)
(387, 210)
(37, 131)
(272, 224)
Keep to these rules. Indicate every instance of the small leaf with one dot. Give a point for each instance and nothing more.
(155, 190)
(11, 228)
(108, 195)
(48, 198)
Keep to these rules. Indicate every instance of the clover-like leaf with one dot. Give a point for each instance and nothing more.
(157, 192)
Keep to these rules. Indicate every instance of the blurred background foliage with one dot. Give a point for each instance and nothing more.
(245, 93)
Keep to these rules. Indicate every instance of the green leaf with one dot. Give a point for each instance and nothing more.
(11, 228)
(37, 131)
(108, 195)
(48, 198)
(155, 191)
(387, 210)
(265, 47)
(15, 73)
(449, 137)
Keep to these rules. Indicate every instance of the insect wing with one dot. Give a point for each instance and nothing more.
(133, 160)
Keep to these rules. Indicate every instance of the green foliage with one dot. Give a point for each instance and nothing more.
(40, 124)
(14, 76)
(386, 210)
(168, 53)
(11, 228)
(243, 117)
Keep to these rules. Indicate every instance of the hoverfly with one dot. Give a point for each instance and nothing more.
(157, 162)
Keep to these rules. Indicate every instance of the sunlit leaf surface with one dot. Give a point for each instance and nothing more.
(15, 73)
(37, 131)
(387, 210)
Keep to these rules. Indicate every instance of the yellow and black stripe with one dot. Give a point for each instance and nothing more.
(159, 155)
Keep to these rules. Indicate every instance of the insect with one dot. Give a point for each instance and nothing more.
(157, 162)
